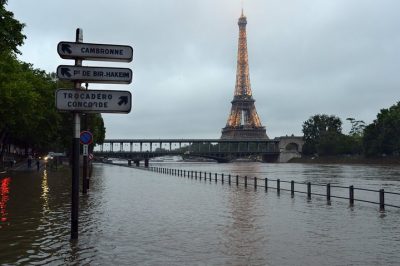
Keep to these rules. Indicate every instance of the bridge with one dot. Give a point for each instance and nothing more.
(221, 150)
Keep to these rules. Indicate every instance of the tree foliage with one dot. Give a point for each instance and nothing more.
(323, 136)
(321, 132)
(28, 117)
(10, 31)
(382, 136)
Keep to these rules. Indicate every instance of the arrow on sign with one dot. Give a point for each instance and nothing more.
(123, 100)
(66, 48)
(65, 72)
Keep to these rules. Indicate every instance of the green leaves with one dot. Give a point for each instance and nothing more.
(27, 109)
(382, 136)
(10, 31)
(28, 117)
(321, 132)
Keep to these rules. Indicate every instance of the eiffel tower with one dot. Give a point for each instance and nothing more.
(243, 121)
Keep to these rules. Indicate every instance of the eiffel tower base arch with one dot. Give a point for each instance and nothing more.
(244, 133)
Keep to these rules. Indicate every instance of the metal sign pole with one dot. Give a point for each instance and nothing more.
(75, 155)
(85, 158)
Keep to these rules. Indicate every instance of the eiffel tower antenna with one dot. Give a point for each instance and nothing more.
(243, 120)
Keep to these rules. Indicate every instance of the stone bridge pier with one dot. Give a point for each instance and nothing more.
(290, 147)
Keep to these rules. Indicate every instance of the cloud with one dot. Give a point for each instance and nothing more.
(306, 57)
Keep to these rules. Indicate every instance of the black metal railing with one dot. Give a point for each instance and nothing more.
(293, 186)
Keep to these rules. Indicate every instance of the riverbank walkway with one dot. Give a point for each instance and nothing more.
(22, 166)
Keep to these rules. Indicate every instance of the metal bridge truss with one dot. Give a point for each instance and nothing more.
(220, 150)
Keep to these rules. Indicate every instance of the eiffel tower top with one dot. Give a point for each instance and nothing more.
(242, 20)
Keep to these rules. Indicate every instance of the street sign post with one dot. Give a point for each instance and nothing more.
(90, 101)
(95, 52)
(111, 75)
(94, 101)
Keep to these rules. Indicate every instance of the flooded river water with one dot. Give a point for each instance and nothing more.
(137, 217)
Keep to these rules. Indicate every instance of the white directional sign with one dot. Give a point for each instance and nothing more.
(95, 74)
(96, 52)
(94, 101)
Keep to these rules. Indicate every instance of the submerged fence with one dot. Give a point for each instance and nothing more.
(324, 190)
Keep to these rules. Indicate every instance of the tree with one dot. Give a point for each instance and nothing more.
(28, 117)
(357, 127)
(10, 31)
(382, 135)
(355, 138)
(320, 134)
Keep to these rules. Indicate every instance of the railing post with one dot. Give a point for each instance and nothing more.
(266, 184)
(278, 185)
(237, 180)
(245, 181)
(195, 175)
(351, 195)
(210, 175)
(309, 190)
(328, 193)
(292, 188)
(200, 175)
(382, 200)
(255, 182)
(216, 175)
(229, 179)
(222, 178)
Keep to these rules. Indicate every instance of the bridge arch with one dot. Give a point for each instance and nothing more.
(290, 147)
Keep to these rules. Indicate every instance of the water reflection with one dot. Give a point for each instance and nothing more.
(45, 192)
(4, 191)
(243, 240)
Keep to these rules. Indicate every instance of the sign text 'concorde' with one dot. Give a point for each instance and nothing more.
(95, 74)
(96, 52)
(94, 101)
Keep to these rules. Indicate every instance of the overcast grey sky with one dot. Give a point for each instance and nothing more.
(306, 57)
